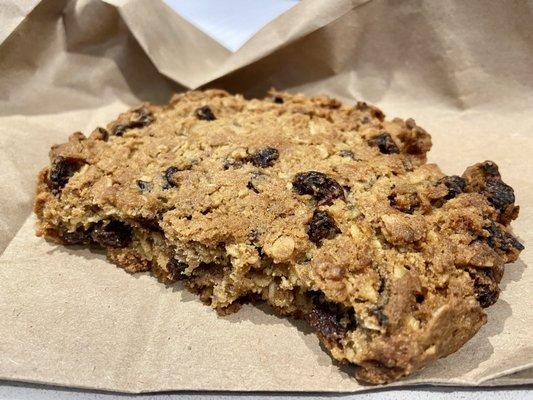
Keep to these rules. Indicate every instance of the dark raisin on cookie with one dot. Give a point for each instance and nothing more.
(115, 234)
(264, 157)
(322, 226)
(485, 284)
(378, 114)
(419, 298)
(484, 178)
(120, 129)
(144, 186)
(150, 223)
(101, 134)
(499, 194)
(455, 184)
(176, 269)
(331, 320)
(170, 178)
(374, 111)
(204, 113)
(500, 239)
(486, 295)
(251, 186)
(326, 323)
(490, 168)
(141, 117)
(278, 99)
(317, 184)
(384, 143)
(79, 236)
(63, 168)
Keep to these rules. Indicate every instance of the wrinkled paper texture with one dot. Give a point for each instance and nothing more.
(463, 70)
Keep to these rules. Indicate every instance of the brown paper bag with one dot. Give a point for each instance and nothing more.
(68, 317)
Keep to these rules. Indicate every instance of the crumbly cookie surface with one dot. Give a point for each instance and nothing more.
(328, 212)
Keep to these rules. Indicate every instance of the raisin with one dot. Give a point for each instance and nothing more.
(323, 188)
(326, 323)
(322, 226)
(170, 179)
(455, 184)
(499, 194)
(374, 111)
(176, 269)
(378, 114)
(490, 168)
(115, 234)
(347, 153)
(500, 239)
(120, 129)
(150, 223)
(264, 157)
(63, 168)
(277, 99)
(486, 294)
(144, 186)
(102, 134)
(141, 117)
(485, 284)
(515, 243)
(384, 143)
(205, 113)
(329, 319)
(485, 179)
(251, 186)
(79, 236)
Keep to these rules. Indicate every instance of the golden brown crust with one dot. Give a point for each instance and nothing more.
(326, 211)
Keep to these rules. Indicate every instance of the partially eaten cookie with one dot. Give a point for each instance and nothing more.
(327, 212)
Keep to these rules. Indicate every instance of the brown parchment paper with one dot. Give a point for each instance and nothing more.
(463, 70)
